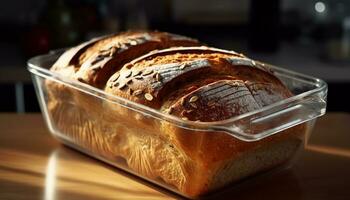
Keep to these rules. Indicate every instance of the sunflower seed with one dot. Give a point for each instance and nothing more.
(182, 102)
(148, 96)
(116, 77)
(104, 53)
(133, 42)
(184, 118)
(182, 66)
(137, 73)
(138, 77)
(253, 62)
(137, 92)
(158, 77)
(128, 74)
(112, 52)
(193, 105)
(193, 99)
(147, 72)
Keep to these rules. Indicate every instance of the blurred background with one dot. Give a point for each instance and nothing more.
(308, 36)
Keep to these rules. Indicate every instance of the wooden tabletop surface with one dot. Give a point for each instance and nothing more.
(33, 165)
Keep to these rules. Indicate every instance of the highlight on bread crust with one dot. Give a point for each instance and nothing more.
(96, 60)
(168, 75)
(194, 83)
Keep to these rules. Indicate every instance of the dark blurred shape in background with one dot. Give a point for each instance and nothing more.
(264, 22)
(309, 36)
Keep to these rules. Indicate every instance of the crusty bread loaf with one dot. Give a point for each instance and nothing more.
(93, 62)
(194, 83)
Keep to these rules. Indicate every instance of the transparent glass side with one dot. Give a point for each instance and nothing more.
(86, 129)
(308, 103)
(188, 158)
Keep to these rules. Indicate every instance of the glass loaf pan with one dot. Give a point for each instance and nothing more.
(84, 118)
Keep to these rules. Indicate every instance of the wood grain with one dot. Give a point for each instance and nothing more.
(33, 165)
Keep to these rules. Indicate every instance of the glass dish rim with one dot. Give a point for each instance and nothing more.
(34, 66)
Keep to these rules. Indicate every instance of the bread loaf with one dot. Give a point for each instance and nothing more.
(193, 83)
(93, 62)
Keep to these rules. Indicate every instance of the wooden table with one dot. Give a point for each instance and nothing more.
(35, 166)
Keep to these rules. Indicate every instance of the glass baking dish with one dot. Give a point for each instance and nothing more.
(85, 118)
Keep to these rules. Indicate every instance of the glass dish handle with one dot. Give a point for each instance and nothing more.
(263, 124)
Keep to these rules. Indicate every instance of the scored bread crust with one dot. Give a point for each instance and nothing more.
(96, 60)
(198, 84)
(193, 83)
(159, 72)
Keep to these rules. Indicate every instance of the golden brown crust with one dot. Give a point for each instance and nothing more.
(156, 78)
(192, 83)
(95, 61)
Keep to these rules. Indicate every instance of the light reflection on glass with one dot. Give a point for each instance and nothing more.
(50, 179)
